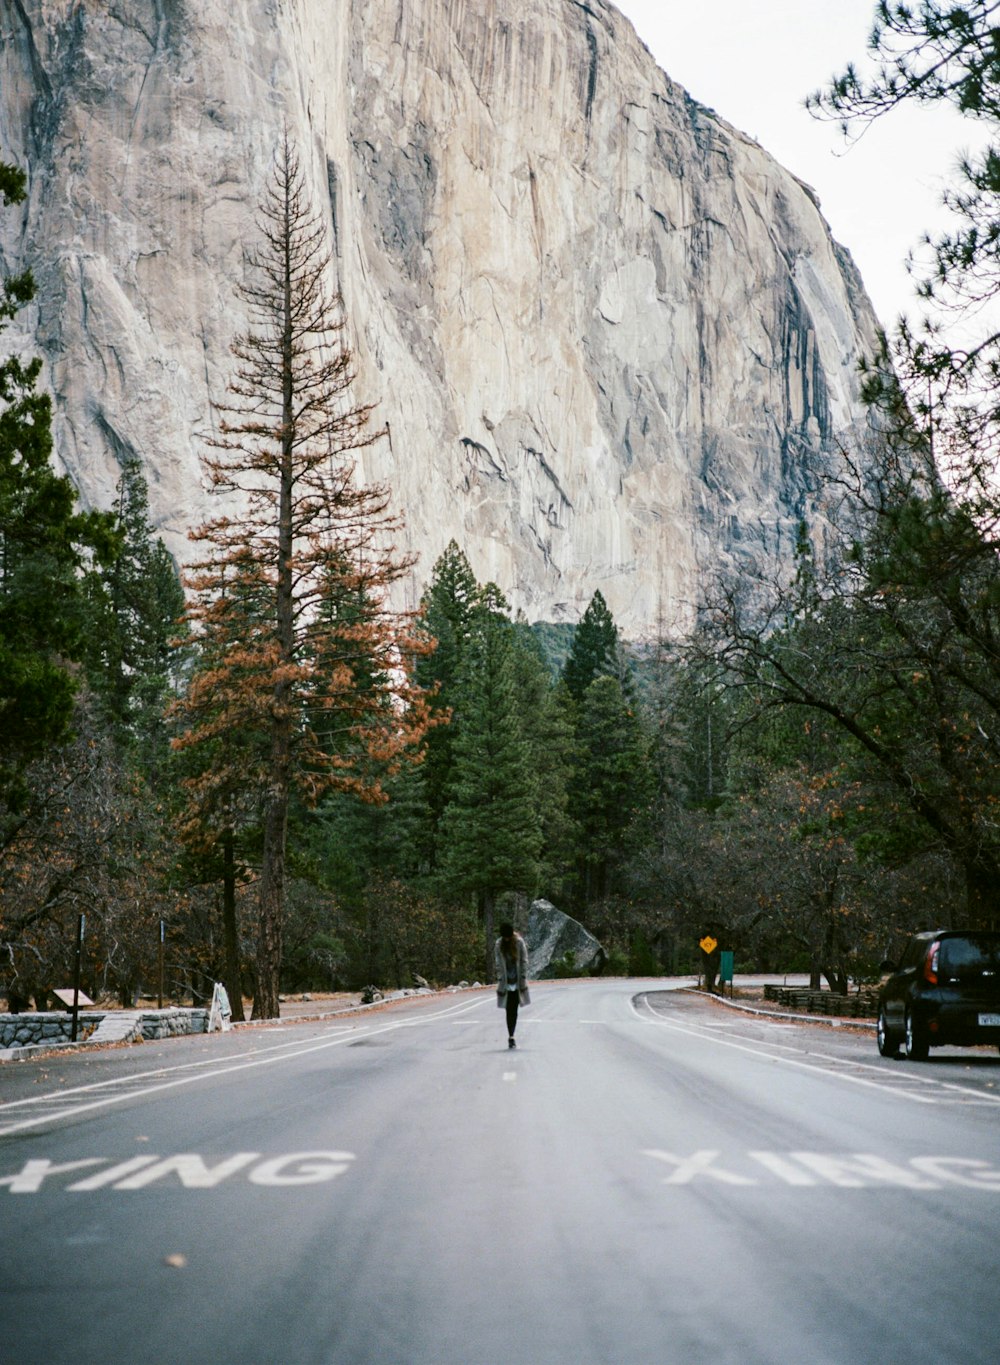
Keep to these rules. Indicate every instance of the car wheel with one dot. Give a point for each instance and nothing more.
(887, 1045)
(917, 1046)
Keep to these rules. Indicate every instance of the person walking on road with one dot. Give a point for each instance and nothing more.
(512, 970)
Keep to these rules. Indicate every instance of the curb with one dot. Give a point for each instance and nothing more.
(24, 1051)
(359, 1008)
(21, 1050)
(831, 1020)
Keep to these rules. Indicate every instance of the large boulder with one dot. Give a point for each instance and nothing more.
(552, 936)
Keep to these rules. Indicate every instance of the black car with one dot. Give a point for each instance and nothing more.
(946, 989)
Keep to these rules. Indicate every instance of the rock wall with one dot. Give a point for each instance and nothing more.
(49, 1029)
(610, 340)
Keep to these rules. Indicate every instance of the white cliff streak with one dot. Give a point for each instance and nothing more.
(612, 338)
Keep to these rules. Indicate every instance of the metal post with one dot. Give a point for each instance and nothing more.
(81, 924)
(159, 996)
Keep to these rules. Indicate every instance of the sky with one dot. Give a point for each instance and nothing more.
(754, 62)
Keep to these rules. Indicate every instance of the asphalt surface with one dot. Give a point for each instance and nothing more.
(648, 1177)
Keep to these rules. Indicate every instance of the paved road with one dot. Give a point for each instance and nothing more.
(649, 1177)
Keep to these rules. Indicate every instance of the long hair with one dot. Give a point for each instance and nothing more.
(508, 941)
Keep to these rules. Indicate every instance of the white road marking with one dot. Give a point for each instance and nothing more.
(188, 1073)
(783, 1168)
(860, 1170)
(190, 1170)
(698, 1163)
(962, 1170)
(851, 1171)
(899, 1085)
(187, 1169)
(32, 1174)
(510, 1075)
(801, 1169)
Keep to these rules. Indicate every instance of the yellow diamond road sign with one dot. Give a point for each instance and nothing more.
(708, 944)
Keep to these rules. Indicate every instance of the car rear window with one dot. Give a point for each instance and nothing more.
(971, 955)
(915, 953)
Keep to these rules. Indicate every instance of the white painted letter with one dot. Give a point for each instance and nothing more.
(858, 1170)
(29, 1179)
(780, 1166)
(113, 1173)
(978, 1175)
(308, 1168)
(190, 1170)
(687, 1167)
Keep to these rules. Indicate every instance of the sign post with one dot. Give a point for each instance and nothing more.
(708, 945)
(159, 994)
(80, 926)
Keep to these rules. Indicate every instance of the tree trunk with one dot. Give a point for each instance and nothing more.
(982, 896)
(712, 962)
(488, 930)
(230, 931)
(272, 873)
(272, 905)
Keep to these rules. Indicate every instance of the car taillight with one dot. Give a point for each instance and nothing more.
(931, 963)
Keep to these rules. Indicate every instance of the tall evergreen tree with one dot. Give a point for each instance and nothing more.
(44, 545)
(448, 606)
(310, 531)
(489, 830)
(547, 724)
(221, 759)
(612, 785)
(135, 606)
(595, 647)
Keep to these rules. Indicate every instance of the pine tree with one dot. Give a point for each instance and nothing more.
(612, 784)
(135, 606)
(547, 724)
(309, 536)
(490, 834)
(594, 650)
(44, 545)
(220, 760)
(448, 606)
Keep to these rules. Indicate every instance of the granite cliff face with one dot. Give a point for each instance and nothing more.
(612, 340)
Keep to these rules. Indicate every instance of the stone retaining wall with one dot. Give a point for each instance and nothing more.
(169, 1023)
(27, 1030)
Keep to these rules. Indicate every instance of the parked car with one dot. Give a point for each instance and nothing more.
(945, 989)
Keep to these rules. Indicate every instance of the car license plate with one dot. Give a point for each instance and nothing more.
(989, 1021)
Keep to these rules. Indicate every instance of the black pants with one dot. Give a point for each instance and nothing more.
(512, 1002)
